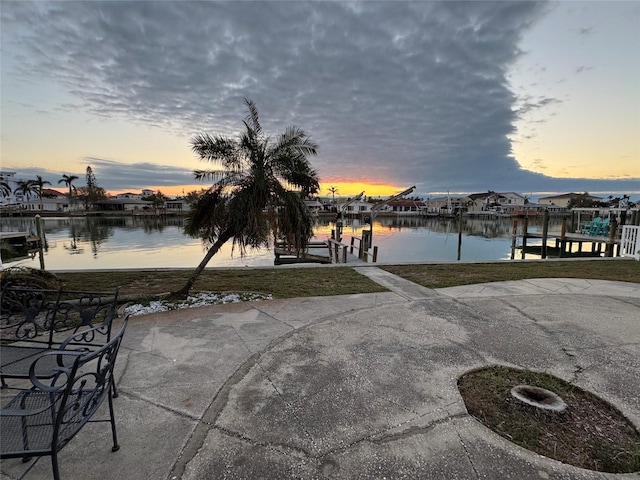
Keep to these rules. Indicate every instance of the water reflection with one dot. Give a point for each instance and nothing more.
(158, 242)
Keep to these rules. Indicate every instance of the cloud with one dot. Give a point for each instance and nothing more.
(582, 69)
(399, 92)
(112, 175)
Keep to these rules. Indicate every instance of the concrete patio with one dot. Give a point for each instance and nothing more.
(354, 386)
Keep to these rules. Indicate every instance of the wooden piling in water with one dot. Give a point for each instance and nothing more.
(525, 227)
(459, 234)
(40, 241)
(514, 234)
(545, 233)
(563, 235)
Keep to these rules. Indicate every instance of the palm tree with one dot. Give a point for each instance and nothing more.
(26, 188)
(259, 189)
(333, 191)
(68, 180)
(39, 184)
(6, 189)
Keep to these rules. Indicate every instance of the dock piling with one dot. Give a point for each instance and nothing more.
(525, 228)
(545, 233)
(40, 241)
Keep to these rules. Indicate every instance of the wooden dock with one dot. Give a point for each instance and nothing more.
(329, 251)
(20, 239)
(563, 245)
(563, 242)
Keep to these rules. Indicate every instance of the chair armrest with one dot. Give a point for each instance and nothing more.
(60, 370)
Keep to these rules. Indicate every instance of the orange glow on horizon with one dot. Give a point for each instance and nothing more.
(349, 189)
(171, 191)
(345, 189)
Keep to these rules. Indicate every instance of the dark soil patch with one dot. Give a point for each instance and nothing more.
(590, 433)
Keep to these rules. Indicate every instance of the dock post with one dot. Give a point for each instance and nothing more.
(514, 232)
(525, 228)
(613, 229)
(365, 243)
(573, 227)
(459, 234)
(40, 241)
(545, 233)
(563, 240)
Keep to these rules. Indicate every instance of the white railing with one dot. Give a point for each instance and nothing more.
(630, 242)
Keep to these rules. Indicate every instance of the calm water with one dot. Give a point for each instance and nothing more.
(136, 242)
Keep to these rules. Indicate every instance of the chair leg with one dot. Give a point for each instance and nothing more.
(115, 447)
(113, 388)
(54, 465)
(4, 383)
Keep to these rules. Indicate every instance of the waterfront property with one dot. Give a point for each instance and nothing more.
(128, 241)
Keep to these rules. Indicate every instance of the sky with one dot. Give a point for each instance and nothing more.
(460, 97)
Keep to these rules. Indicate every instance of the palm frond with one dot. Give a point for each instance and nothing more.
(252, 120)
(218, 149)
(295, 221)
(209, 215)
(289, 160)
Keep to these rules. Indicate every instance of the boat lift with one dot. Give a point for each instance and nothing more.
(377, 209)
(343, 209)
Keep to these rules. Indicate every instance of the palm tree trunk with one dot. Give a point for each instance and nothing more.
(222, 239)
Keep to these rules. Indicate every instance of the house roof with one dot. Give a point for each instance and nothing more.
(406, 203)
(570, 195)
(125, 201)
(50, 192)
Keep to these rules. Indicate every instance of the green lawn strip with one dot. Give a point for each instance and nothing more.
(281, 283)
(322, 281)
(454, 274)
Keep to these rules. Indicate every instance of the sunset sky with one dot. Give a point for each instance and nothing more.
(530, 97)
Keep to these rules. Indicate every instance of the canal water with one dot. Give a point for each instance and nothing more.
(151, 242)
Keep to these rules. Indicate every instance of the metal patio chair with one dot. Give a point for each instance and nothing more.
(40, 421)
(33, 321)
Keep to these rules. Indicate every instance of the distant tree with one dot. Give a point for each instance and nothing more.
(68, 181)
(158, 199)
(333, 191)
(39, 183)
(259, 189)
(584, 201)
(27, 188)
(5, 188)
(193, 196)
(92, 193)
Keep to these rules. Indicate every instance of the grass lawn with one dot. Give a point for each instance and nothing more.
(451, 275)
(319, 281)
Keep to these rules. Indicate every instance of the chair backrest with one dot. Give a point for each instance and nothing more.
(84, 385)
(79, 311)
(38, 315)
(27, 313)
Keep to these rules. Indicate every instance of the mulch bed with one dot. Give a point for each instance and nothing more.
(590, 433)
